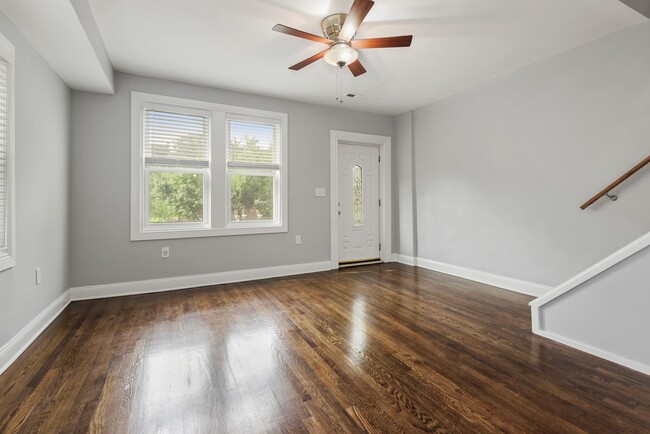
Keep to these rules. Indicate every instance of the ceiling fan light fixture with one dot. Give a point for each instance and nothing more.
(341, 54)
(339, 31)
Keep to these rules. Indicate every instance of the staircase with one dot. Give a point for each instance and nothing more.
(605, 310)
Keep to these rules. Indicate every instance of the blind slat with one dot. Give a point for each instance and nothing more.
(257, 143)
(169, 162)
(4, 105)
(176, 139)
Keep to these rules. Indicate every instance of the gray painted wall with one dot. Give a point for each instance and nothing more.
(502, 168)
(403, 206)
(613, 310)
(100, 170)
(42, 138)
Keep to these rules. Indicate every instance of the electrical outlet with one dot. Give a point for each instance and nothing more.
(165, 252)
(298, 239)
(38, 276)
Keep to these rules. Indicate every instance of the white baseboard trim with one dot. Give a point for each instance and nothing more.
(516, 285)
(19, 343)
(595, 351)
(404, 259)
(193, 281)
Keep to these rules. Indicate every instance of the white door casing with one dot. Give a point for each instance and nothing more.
(358, 203)
(383, 143)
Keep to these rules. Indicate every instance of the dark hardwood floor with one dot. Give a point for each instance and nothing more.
(382, 348)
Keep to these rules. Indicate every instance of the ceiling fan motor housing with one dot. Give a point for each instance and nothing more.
(332, 26)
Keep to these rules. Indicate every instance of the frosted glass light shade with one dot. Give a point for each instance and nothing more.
(341, 54)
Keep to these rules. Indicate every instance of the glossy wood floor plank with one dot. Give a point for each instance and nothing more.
(378, 349)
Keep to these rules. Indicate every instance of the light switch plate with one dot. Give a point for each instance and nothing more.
(320, 192)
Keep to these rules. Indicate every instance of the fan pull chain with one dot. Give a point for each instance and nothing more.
(339, 86)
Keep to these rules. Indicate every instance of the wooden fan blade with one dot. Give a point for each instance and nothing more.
(300, 34)
(389, 42)
(357, 68)
(358, 12)
(306, 62)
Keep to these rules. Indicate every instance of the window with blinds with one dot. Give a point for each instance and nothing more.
(177, 161)
(176, 139)
(201, 169)
(4, 157)
(253, 169)
(7, 197)
(253, 144)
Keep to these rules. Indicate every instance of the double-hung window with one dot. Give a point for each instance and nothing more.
(203, 169)
(253, 170)
(176, 144)
(7, 211)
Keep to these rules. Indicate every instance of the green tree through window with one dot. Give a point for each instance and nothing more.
(175, 197)
(251, 195)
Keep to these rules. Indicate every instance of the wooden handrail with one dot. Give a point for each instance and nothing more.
(616, 183)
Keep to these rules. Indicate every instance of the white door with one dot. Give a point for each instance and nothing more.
(358, 203)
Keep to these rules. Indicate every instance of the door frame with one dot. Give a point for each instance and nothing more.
(385, 212)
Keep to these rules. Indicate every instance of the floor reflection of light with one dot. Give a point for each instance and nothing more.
(254, 367)
(172, 386)
(358, 330)
(242, 391)
(250, 354)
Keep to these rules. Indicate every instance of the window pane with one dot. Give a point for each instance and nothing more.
(176, 139)
(4, 142)
(253, 142)
(175, 197)
(357, 196)
(251, 198)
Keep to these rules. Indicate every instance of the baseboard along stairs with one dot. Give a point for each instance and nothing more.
(612, 308)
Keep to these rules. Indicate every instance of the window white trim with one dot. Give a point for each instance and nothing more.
(8, 260)
(219, 205)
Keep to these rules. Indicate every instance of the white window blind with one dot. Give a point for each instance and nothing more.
(253, 143)
(202, 169)
(4, 157)
(176, 139)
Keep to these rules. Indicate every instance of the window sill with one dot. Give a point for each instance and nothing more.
(7, 262)
(204, 233)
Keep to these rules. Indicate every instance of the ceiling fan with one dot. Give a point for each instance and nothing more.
(339, 31)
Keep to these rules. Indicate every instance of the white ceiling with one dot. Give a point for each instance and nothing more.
(65, 34)
(457, 43)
